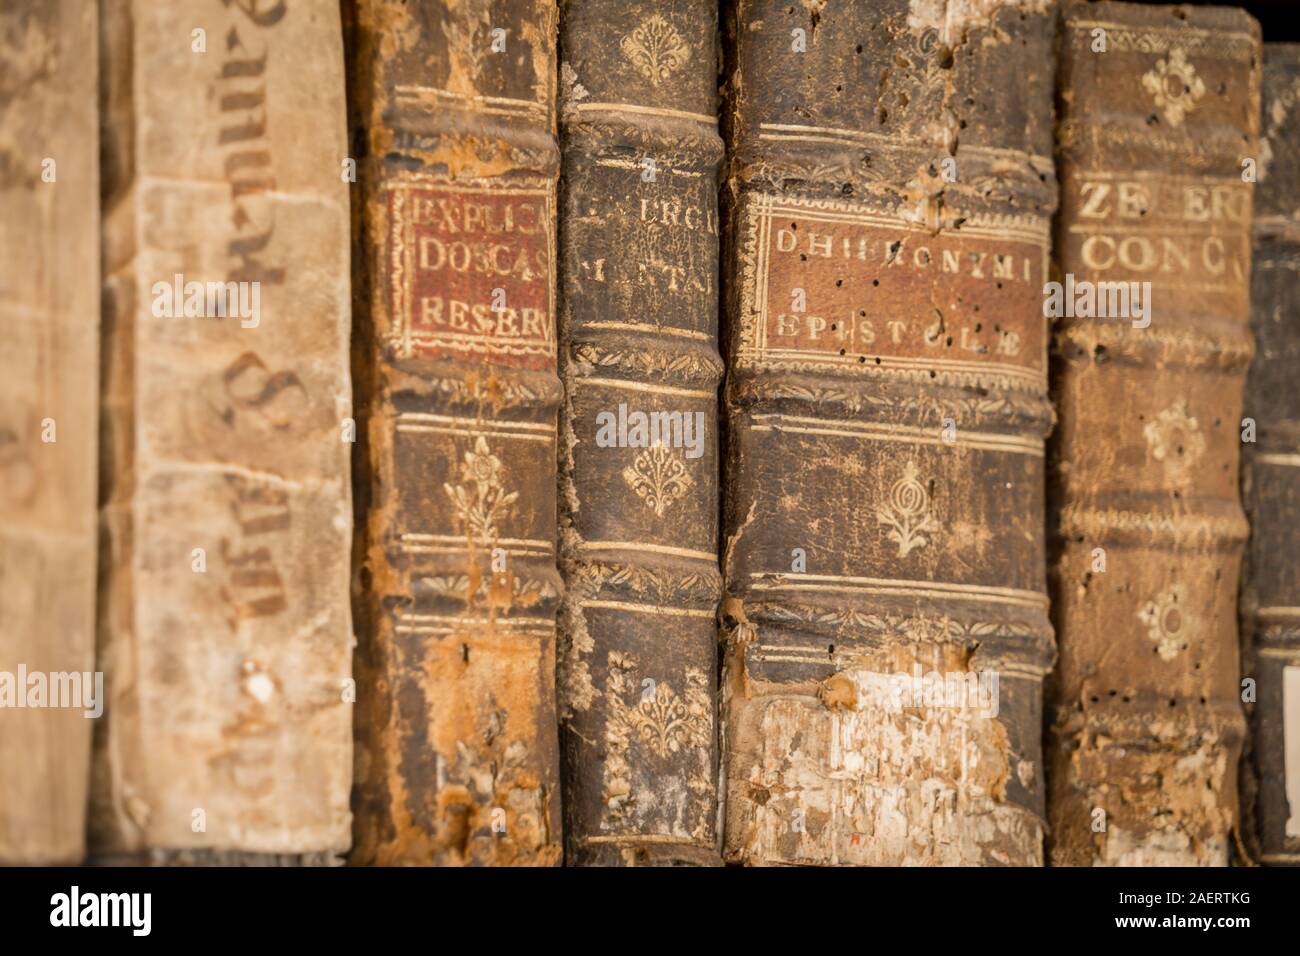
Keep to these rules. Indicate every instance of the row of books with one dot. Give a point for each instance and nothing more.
(648, 432)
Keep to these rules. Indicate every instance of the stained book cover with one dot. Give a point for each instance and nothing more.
(457, 589)
(1159, 110)
(49, 399)
(888, 199)
(639, 458)
(225, 629)
(1270, 600)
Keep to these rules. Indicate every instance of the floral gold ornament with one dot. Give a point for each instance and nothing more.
(1175, 440)
(665, 722)
(655, 49)
(908, 512)
(481, 499)
(659, 478)
(1174, 86)
(1165, 618)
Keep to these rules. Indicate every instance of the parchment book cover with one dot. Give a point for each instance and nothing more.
(49, 401)
(225, 625)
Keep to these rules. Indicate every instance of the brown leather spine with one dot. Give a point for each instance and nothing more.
(888, 197)
(1148, 529)
(49, 398)
(639, 526)
(457, 587)
(1270, 601)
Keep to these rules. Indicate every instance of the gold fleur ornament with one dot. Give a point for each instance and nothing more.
(665, 722)
(1175, 440)
(1165, 617)
(480, 499)
(1174, 86)
(907, 513)
(655, 49)
(658, 477)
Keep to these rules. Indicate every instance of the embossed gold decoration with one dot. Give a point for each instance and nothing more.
(658, 477)
(664, 721)
(908, 512)
(655, 49)
(1175, 439)
(480, 498)
(652, 722)
(1174, 86)
(1164, 618)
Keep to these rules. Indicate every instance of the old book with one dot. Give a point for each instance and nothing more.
(639, 461)
(1270, 601)
(225, 529)
(457, 584)
(49, 398)
(888, 196)
(1159, 110)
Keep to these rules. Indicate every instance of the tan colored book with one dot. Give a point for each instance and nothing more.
(1159, 111)
(49, 401)
(225, 624)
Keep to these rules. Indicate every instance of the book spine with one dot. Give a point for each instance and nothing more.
(639, 459)
(1270, 602)
(457, 585)
(225, 536)
(888, 202)
(1159, 110)
(49, 309)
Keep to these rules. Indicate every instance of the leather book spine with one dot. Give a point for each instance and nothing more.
(457, 588)
(1159, 111)
(1270, 600)
(888, 199)
(639, 457)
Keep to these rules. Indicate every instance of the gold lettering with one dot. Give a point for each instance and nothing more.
(431, 309)
(1129, 261)
(431, 242)
(819, 245)
(1133, 200)
(1094, 197)
(1089, 252)
(1214, 264)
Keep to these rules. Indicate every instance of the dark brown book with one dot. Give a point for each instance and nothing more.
(49, 400)
(1159, 109)
(1270, 601)
(457, 757)
(888, 199)
(639, 459)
